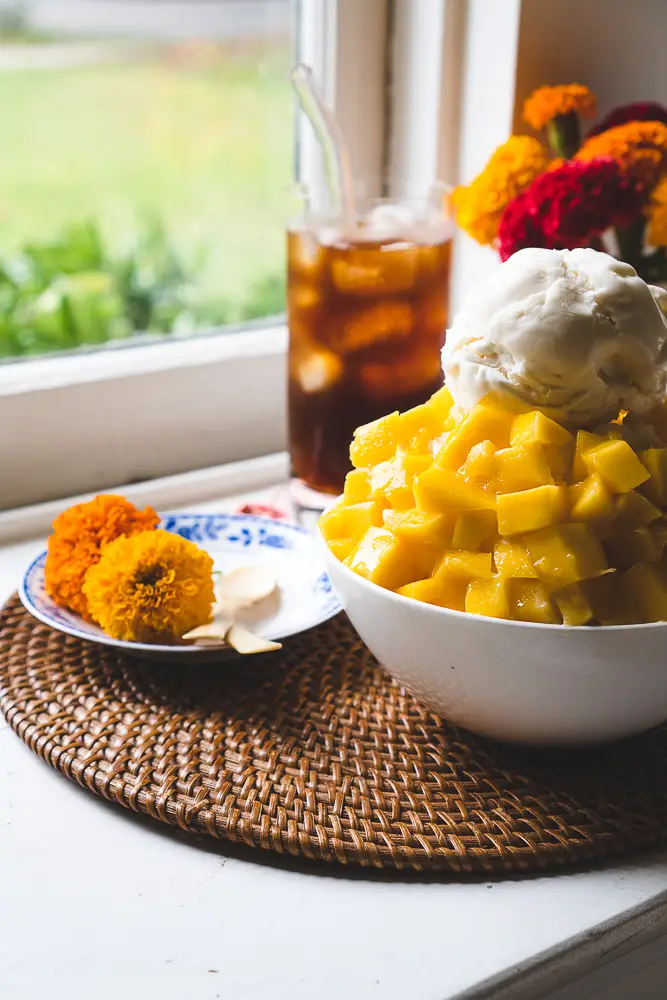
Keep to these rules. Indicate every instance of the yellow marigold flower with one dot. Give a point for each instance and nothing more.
(152, 587)
(79, 535)
(512, 167)
(656, 234)
(640, 148)
(546, 103)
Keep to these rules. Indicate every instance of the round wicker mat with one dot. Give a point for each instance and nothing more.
(316, 752)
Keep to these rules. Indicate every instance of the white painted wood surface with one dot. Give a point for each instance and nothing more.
(96, 902)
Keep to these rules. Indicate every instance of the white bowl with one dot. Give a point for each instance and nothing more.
(545, 685)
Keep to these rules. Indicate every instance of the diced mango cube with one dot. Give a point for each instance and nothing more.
(565, 554)
(655, 462)
(612, 601)
(474, 530)
(559, 459)
(415, 526)
(391, 481)
(535, 427)
(418, 427)
(488, 597)
(342, 548)
(633, 509)
(357, 486)
(590, 500)
(441, 401)
(522, 467)
(659, 534)
(375, 442)
(466, 564)
(438, 490)
(351, 521)
(444, 590)
(481, 424)
(585, 441)
(626, 546)
(573, 605)
(384, 559)
(617, 465)
(511, 559)
(531, 509)
(649, 588)
(530, 602)
(480, 465)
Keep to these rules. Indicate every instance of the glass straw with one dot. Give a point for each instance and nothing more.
(331, 139)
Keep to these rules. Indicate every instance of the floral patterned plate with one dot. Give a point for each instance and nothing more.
(306, 597)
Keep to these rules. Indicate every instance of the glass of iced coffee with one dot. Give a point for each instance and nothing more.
(367, 312)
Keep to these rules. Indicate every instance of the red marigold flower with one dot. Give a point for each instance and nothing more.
(643, 111)
(567, 207)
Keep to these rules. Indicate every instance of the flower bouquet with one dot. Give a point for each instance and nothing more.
(607, 190)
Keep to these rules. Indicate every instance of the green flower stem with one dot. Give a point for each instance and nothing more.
(631, 243)
(564, 135)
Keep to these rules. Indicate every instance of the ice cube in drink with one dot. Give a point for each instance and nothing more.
(367, 312)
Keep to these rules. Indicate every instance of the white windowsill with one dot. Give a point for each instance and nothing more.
(178, 909)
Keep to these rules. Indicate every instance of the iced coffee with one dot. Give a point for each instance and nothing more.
(367, 309)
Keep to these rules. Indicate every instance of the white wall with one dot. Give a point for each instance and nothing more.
(618, 48)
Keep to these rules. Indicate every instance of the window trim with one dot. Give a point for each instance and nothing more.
(86, 422)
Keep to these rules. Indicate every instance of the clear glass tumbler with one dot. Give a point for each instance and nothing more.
(367, 311)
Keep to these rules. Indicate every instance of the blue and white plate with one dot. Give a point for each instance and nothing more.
(306, 595)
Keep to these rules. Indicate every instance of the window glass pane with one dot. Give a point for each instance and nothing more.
(147, 155)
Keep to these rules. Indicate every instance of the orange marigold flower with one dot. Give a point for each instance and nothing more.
(656, 233)
(152, 587)
(640, 148)
(79, 535)
(546, 103)
(511, 168)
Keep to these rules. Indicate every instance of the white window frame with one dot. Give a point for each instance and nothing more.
(415, 105)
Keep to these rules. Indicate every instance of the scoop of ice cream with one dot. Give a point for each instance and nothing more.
(575, 333)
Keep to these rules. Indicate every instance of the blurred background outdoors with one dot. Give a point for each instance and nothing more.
(145, 168)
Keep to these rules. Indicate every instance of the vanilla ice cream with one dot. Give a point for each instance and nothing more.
(575, 333)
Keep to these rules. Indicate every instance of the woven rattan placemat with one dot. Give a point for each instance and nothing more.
(316, 752)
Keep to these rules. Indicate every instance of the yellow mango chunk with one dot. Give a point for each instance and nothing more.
(535, 427)
(391, 481)
(480, 465)
(530, 602)
(649, 589)
(512, 560)
(573, 605)
(585, 441)
(474, 530)
(565, 554)
(417, 427)
(633, 509)
(375, 442)
(626, 546)
(531, 509)
(481, 424)
(466, 564)
(342, 548)
(441, 402)
(559, 459)
(617, 466)
(488, 597)
(590, 500)
(384, 559)
(612, 601)
(438, 490)
(417, 527)
(350, 522)
(655, 462)
(444, 590)
(357, 486)
(522, 467)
